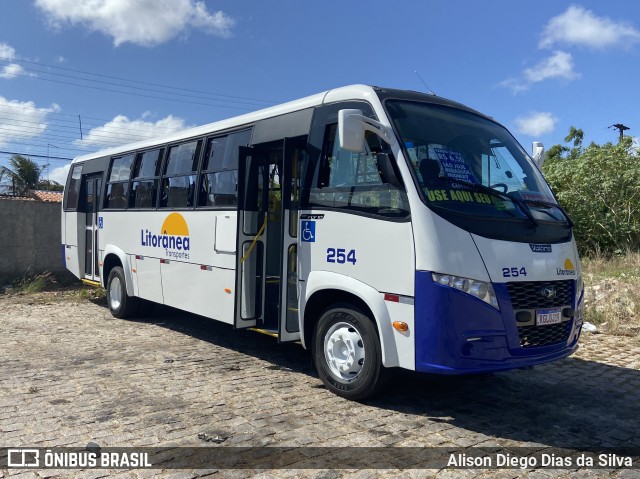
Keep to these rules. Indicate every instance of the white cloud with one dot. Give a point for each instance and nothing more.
(142, 22)
(59, 174)
(7, 52)
(22, 120)
(122, 130)
(580, 27)
(12, 70)
(558, 66)
(536, 123)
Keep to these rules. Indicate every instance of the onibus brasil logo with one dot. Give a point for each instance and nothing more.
(173, 237)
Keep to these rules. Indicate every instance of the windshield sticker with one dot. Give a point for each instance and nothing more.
(462, 196)
(454, 165)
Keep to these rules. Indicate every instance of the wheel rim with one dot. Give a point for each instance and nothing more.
(115, 293)
(344, 351)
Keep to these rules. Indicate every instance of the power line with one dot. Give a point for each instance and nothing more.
(115, 133)
(134, 94)
(13, 60)
(110, 135)
(35, 156)
(133, 87)
(51, 112)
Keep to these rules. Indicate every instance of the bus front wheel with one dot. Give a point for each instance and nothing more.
(347, 353)
(120, 304)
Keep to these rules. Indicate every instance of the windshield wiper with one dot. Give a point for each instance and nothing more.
(551, 205)
(490, 191)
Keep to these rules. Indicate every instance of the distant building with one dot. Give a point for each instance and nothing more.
(48, 196)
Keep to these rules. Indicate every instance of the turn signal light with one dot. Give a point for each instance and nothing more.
(401, 326)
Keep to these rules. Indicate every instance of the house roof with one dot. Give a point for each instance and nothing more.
(48, 196)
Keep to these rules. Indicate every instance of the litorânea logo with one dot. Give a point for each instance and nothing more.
(567, 270)
(173, 237)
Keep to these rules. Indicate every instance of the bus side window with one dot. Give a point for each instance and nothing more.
(178, 183)
(219, 177)
(118, 183)
(144, 184)
(356, 181)
(72, 192)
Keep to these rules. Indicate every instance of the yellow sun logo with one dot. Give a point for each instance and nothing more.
(567, 263)
(175, 225)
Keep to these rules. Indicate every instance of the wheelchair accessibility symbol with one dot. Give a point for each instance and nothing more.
(308, 231)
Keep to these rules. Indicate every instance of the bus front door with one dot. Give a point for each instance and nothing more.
(250, 240)
(90, 200)
(266, 269)
(293, 160)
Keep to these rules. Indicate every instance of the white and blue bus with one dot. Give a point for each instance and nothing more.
(380, 228)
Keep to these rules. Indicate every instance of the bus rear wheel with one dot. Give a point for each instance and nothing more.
(120, 304)
(347, 353)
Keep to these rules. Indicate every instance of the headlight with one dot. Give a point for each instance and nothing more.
(480, 289)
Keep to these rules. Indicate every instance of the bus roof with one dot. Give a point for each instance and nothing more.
(351, 92)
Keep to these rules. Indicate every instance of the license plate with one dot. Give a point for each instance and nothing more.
(548, 316)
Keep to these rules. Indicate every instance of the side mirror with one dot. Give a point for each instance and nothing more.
(351, 127)
(351, 130)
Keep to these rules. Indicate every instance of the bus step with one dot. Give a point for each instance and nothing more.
(269, 332)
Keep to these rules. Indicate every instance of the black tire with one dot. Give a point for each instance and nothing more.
(120, 304)
(347, 353)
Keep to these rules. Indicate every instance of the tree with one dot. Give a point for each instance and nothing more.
(600, 188)
(49, 185)
(24, 174)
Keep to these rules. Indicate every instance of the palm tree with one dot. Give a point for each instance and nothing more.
(24, 173)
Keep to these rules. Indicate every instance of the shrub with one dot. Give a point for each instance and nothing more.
(599, 186)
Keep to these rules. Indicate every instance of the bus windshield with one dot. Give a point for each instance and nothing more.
(468, 165)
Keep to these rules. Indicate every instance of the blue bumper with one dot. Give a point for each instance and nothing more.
(457, 333)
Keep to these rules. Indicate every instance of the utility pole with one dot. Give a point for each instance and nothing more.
(621, 128)
(48, 145)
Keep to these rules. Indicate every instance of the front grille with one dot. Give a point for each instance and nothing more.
(527, 294)
(535, 336)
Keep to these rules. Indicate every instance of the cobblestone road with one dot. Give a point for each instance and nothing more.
(71, 374)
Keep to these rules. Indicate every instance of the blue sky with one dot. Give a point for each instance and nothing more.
(131, 69)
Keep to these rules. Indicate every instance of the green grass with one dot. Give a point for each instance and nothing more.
(33, 283)
(599, 266)
(612, 295)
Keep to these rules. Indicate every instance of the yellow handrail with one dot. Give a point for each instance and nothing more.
(253, 243)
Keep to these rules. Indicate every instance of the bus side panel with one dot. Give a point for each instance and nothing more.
(199, 289)
(148, 278)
